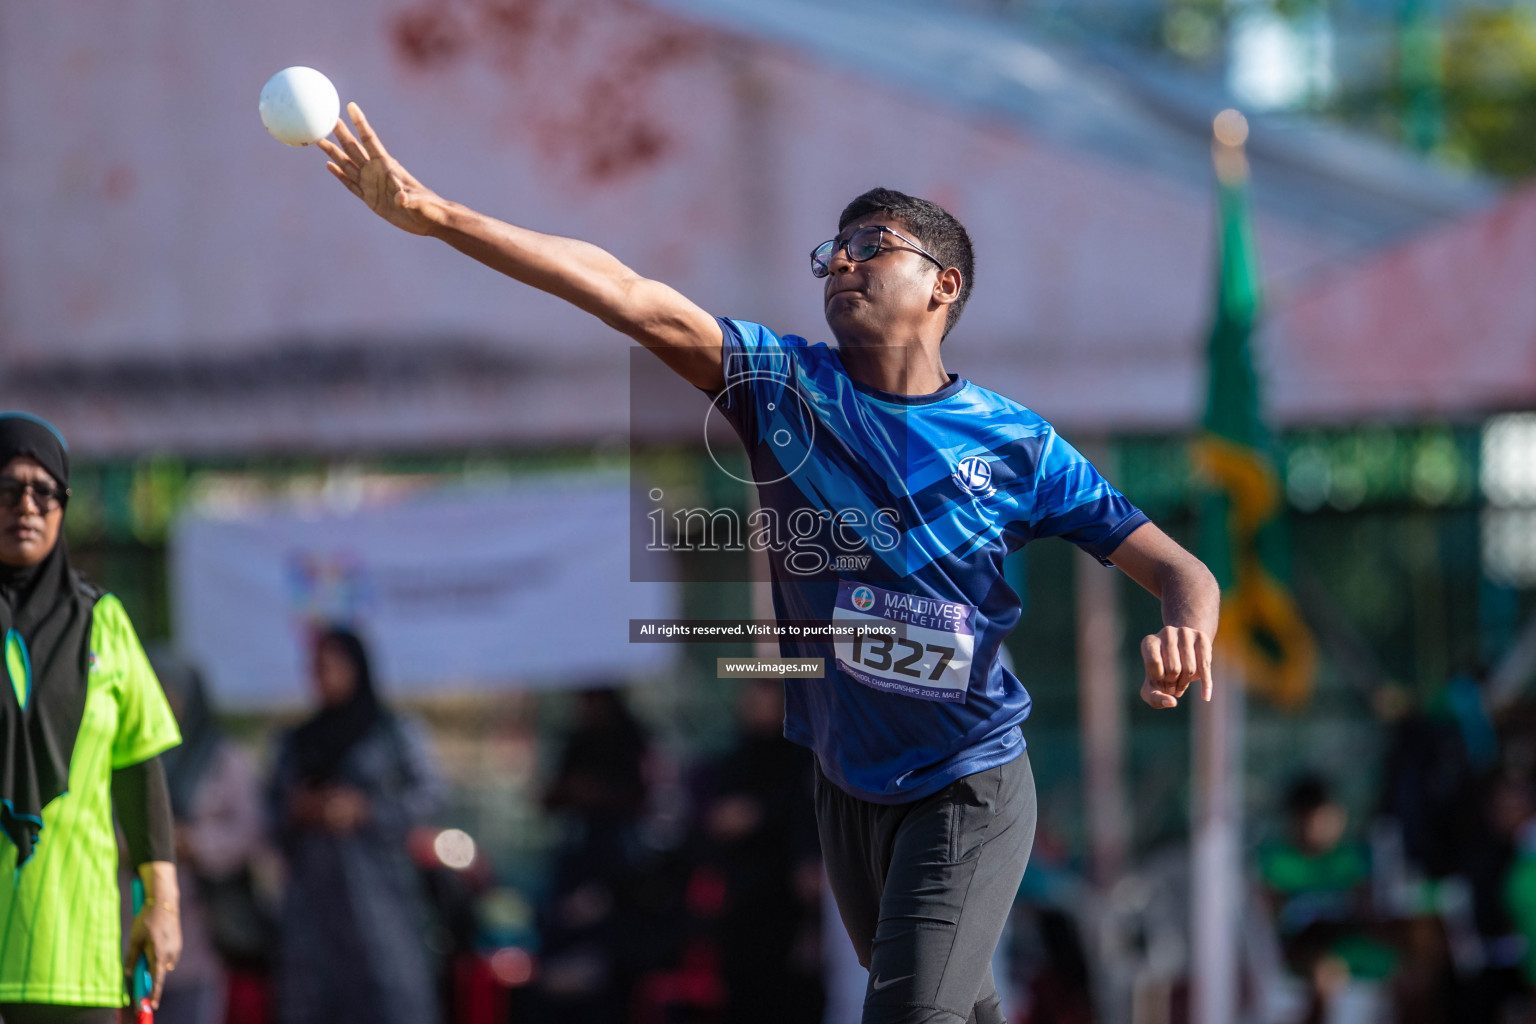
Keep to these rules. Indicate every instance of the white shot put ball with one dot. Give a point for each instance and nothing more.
(299, 106)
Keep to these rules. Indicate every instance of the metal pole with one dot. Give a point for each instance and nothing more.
(1101, 711)
(1216, 882)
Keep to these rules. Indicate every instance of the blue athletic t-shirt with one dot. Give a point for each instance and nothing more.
(893, 513)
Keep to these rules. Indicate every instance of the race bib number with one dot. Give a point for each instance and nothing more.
(929, 658)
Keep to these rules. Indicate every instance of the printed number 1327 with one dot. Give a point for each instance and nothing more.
(877, 652)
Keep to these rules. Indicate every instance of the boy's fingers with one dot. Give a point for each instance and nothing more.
(1173, 666)
(1152, 657)
(365, 132)
(1187, 655)
(1203, 660)
(342, 177)
(1155, 697)
(339, 157)
(349, 143)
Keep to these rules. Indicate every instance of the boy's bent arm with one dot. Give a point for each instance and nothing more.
(681, 334)
(1180, 653)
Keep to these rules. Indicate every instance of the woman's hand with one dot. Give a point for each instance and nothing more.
(156, 932)
(337, 808)
(306, 805)
(364, 166)
(345, 809)
(734, 817)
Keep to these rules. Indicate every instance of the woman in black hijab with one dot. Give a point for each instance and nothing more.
(349, 708)
(348, 785)
(82, 722)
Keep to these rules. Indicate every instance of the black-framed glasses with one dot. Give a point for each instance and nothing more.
(47, 496)
(863, 244)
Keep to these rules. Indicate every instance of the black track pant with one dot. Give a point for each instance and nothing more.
(925, 888)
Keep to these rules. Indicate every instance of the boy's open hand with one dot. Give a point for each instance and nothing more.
(362, 164)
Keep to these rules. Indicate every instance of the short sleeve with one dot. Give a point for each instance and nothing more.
(756, 366)
(1073, 501)
(145, 725)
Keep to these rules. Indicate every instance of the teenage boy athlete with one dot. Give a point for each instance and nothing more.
(924, 797)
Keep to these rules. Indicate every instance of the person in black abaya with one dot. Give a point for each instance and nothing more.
(594, 935)
(759, 831)
(348, 785)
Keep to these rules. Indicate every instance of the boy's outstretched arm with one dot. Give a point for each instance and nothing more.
(684, 336)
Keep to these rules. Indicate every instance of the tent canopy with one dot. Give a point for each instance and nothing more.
(1443, 325)
(173, 279)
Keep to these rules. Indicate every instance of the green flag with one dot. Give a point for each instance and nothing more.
(1241, 536)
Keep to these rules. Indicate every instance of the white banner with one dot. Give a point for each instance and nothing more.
(470, 589)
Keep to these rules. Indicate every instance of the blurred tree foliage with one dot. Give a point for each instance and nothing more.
(1481, 94)
(1456, 80)
(1490, 89)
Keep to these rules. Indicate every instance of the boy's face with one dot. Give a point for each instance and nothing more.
(889, 296)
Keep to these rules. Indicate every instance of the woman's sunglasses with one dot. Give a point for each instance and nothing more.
(47, 496)
(863, 244)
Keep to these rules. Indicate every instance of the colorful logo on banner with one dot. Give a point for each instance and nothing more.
(326, 587)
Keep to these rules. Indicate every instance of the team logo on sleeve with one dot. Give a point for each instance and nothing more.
(974, 475)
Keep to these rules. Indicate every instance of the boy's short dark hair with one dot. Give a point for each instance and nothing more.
(935, 228)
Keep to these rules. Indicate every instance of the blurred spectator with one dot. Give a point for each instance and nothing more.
(601, 769)
(1437, 762)
(1043, 969)
(217, 810)
(1314, 875)
(593, 938)
(1450, 813)
(759, 831)
(1488, 995)
(1317, 886)
(348, 785)
(1520, 882)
